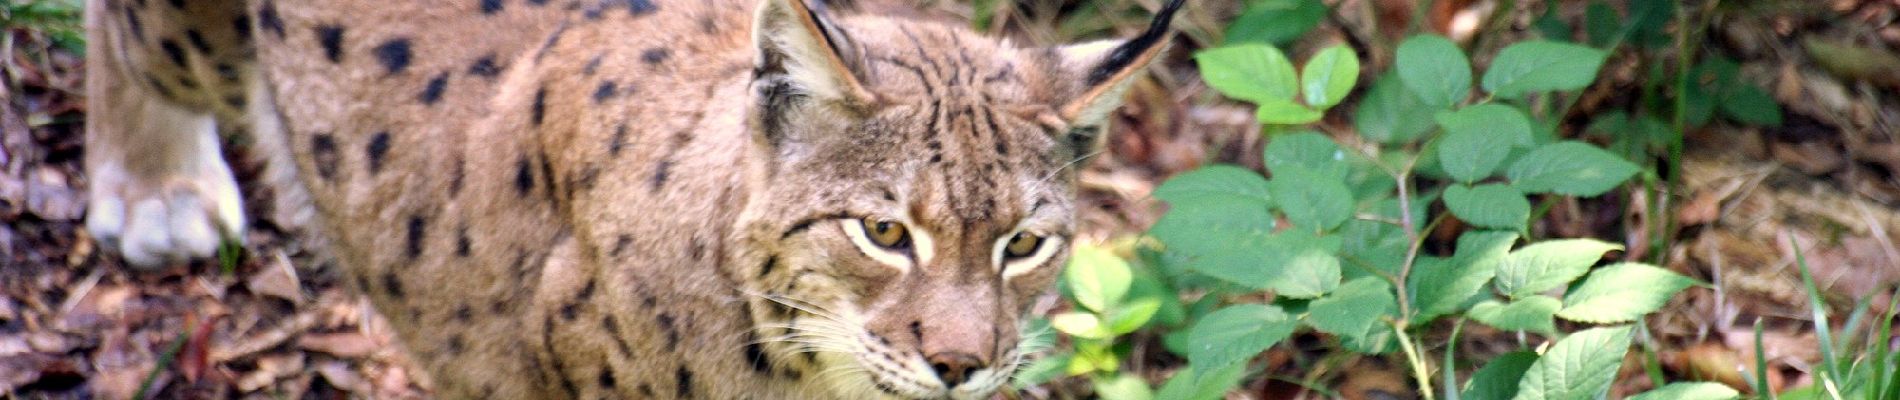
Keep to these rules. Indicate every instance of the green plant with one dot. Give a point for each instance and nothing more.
(1112, 299)
(1869, 373)
(57, 19)
(1335, 237)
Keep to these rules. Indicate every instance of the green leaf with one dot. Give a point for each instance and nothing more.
(1497, 380)
(1275, 22)
(1306, 266)
(1526, 314)
(1478, 138)
(1435, 70)
(1306, 149)
(1188, 384)
(1750, 105)
(1540, 66)
(1235, 334)
(1569, 168)
(1132, 315)
(1225, 182)
(1548, 265)
(1622, 292)
(1551, 25)
(1328, 76)
(1579, 367)
(1097, 277)
(1391, 114)
(1352, 309)
(1690, 391)
(1251, 72)
(1209, 205)
(1601, 23)
(1442, 289)
(1285, 112)
(1043, 370)
(1312, 200)
(1080, 324)
(1126, 386)
(1489, 205)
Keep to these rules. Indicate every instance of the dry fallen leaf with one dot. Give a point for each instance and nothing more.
(277, 279)
(346, 344)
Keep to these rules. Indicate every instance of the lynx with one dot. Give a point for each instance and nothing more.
(626, 198)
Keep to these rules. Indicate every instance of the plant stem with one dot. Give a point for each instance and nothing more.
(1420, 371)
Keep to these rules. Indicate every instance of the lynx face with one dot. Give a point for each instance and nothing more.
(916, 195)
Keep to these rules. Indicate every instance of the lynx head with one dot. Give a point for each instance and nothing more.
(912, 191)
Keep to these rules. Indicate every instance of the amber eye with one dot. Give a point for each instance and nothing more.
(1022, 245)
(887, 234)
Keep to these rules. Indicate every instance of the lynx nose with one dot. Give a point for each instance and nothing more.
(955, 368)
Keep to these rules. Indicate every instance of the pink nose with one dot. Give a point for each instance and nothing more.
(955, 368)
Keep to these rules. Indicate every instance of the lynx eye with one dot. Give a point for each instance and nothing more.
(886, 234)
(1022, 245)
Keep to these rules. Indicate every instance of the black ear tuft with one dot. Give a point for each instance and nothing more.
(1130, 51)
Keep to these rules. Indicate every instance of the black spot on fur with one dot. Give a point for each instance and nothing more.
(560, 369)
(417, 227)
(917, 330)
(754, 353)
(378, 147)
(620, 341)
(461, 242)
(178, 4)
(392, 284)
(593, 65)
(660, 172)
(463, 313)
(684, 379)
(491, 6)
(173, 52)
(524, 176)
(771, 262)
(620, 246)
(569, 311)
(698, 248)
(485, 67)
(619, 139)
(226, 72)
(540, 107)
(323, 154)
(394, 55)
(134, 24)
(455, 344)
(187, 84)
(538, 2)
(433, 91)
(603, 92)
(456, 172)
(553, 38)
(197, 40)
(268, 19)
(646, 391)
(234, 101)
(587, 291)
(331, 37)
(672, 333)
(242, 25)
(641, 7)
(607, 376)
(655, 55)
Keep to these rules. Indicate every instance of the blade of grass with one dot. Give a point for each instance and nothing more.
(1818, 310)
(165, 360)
(1761, 367)
(1651, 364)
(1450, 372)
(1879, 342)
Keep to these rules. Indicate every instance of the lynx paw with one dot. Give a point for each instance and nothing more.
(176, 218)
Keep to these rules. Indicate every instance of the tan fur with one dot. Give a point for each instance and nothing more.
(632, 199)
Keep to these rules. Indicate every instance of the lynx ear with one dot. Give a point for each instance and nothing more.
(1110, 67)
(795, 42)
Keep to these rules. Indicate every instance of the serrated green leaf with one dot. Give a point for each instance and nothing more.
(1690, 391)
(1132, 315)
(1250, 72)
(1526, 314)
(1275, 22)
(1311, 200)
(1308, 265)
(1579, 367)
(1478, 138)
(1548, 265)
(1097, 278)
(1750, 105)
(1328, 76)
(1489, 205)
(1434, 69)
(1208, 206)
(1354, 307)
(1235, 334)
(1391, 114)
(1285, 112)
(1622, 292)
(1080, 324)
(1497, 380)
(1226, 182)
(1442, 289)
(1569, 168)
(1541, 66)
(1306, 149)
(1250, 260)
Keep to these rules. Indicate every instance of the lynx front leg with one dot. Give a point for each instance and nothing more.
(160, 190)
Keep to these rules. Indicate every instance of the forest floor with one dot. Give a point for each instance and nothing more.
(76, 323)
